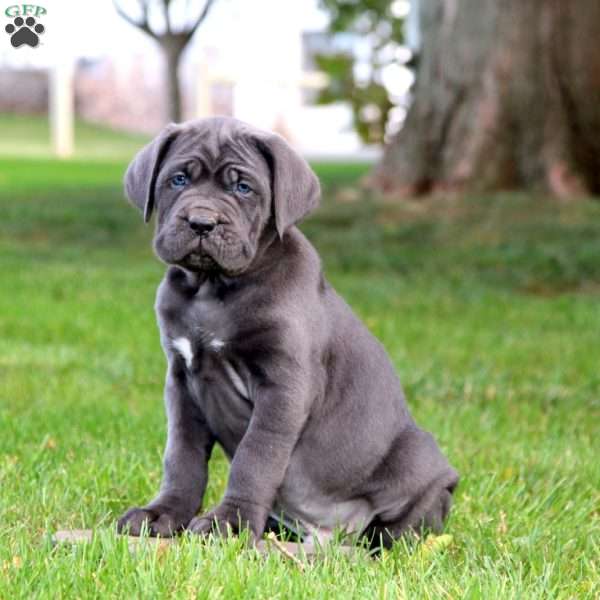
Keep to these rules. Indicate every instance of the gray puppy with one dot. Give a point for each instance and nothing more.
(266, 359)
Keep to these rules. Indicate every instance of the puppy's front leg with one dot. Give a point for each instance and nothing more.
(189, 444)
(258, 466)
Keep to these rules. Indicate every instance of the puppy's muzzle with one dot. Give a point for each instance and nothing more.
(202, 223)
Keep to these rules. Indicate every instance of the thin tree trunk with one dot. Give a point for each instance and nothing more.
(173, 51)
(507, 96)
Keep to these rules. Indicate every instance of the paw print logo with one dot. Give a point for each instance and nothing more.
(24, 31)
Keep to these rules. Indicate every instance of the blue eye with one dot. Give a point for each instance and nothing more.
(241, 187)
(179, 180)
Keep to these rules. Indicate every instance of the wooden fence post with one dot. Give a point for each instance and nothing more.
(61, 107)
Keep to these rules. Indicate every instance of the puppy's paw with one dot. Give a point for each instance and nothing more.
(157, 521)
(225, 520)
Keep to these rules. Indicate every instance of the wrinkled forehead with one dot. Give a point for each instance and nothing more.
(216, 142)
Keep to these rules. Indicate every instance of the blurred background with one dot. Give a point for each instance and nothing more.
(458, 146)
(128, 68)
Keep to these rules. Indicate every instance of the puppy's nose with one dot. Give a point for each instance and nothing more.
(202, 224)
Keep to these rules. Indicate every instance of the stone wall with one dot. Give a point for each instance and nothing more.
(126, 99)
(23, 91)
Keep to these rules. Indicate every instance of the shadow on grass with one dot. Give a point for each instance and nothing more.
(531, 244)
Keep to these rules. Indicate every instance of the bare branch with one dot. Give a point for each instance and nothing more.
(189, 31)
(145, 7)
(166, 15)
(143, 24)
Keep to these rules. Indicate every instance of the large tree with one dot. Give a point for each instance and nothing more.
(507, 95)
(155, 18)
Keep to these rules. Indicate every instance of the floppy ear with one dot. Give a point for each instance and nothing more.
(295, 187)
(140, 178)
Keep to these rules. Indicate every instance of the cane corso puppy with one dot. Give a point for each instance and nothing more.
(266, 359)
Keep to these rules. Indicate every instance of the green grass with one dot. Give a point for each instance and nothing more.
(489, 308)
(29, 136)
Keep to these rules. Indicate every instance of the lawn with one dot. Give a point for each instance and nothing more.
(489, 308)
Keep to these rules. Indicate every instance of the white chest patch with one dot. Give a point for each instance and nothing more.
(216, 344)
(184, 347)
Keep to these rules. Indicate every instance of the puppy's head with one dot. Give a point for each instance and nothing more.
(219, 186)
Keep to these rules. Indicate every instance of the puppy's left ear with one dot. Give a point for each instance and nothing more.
(140, 178)
(295, 188)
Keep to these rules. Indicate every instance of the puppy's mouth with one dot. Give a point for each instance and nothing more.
(199, 257)
(220, 250)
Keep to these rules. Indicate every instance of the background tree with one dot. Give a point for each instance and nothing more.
(171, 40)
(507, 95)
(379, 28)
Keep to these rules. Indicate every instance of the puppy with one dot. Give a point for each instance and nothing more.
(265, 359)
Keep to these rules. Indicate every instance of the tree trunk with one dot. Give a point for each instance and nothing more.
(173, 46)
(507, 96)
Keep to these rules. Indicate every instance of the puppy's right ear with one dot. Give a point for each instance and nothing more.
(140, 178)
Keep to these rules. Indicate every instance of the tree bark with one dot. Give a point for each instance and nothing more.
(507, 96)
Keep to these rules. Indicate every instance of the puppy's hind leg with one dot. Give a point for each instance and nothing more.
(426, 514)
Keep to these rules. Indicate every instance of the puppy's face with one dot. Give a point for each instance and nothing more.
(213, 201)
(219, 187)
